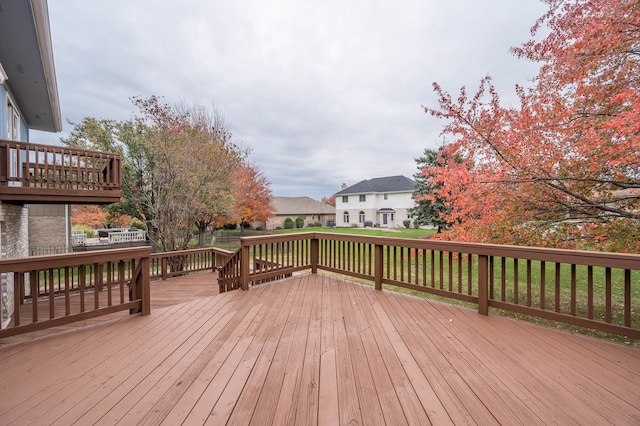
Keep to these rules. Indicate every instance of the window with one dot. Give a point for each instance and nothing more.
(345, 217)
(345, 198)
(361, 217)
(363, 198)
(386, 196)
(13, 122)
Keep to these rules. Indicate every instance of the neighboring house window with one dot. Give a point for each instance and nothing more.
(345, 217)
(363, 198)
(391, 217)
(361, 217)
(345, 198)
(386, 196)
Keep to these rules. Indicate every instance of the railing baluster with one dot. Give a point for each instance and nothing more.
(627, 298)
(516, 298)
(528, 282)
(573, 289)
(543, 273)
(34, 282)
(469, 274)
(608, 295)
(450, 271)
(557, 295)
(590, 292)
(52, 295)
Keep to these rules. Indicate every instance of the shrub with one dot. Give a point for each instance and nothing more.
(258, 228)
(88, 231)
(230, 226)
(299, 222)
(368, 223)
(355, 225)
(406, 223)
(278, 228)
(288, 223)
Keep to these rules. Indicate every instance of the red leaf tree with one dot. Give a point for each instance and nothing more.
(563, 168)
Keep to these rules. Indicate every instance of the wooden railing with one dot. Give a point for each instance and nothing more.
(54, 174)
(120, 281)
(587, 289)
(172, 264)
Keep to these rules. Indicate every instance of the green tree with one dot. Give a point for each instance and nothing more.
(430, 209)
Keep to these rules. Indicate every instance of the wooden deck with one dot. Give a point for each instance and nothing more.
(315, 349)
(163, 294)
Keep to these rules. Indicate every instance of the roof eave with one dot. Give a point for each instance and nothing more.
(43, 29)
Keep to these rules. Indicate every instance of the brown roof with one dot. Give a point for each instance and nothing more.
(300, 205)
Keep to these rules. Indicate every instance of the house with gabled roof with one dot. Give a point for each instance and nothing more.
(383, 202)
(310, 210)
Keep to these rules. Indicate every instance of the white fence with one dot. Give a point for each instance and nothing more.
(125, 237)
(78, 238)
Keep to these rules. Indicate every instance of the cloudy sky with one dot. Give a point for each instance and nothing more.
(321, 92)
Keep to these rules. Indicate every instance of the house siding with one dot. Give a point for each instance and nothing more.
(401, 202)
(49, 226)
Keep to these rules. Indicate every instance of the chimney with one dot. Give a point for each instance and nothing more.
(344, 186)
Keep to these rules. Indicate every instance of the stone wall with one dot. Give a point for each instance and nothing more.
(14, 242)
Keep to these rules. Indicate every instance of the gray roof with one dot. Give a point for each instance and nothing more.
(300, 206)
(382, 184)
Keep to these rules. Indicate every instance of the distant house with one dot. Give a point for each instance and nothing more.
(310, 210)
(383, 201)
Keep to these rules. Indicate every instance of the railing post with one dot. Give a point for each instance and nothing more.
(378, 267)
(315, 250)
(145, 285)
(164, 269)
(483, 294)
(244, 267)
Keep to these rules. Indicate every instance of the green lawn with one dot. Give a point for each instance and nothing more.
(376, 232)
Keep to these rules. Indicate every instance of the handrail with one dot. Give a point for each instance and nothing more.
(109, 272)
(584, 288)
(171, 264)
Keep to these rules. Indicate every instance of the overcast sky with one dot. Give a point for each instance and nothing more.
(321, 92)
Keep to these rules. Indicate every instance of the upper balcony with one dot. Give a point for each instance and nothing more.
(47, 174)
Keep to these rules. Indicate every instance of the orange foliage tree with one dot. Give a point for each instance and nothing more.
(88, 215)
(563, 168)
(252, 194)
(331, 200)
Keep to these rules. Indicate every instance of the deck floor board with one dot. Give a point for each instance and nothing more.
(314, 349)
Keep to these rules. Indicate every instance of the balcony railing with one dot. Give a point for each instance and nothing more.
(32, 173)
(595, 290)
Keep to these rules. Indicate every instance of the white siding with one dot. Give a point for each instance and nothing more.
(398, 201)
